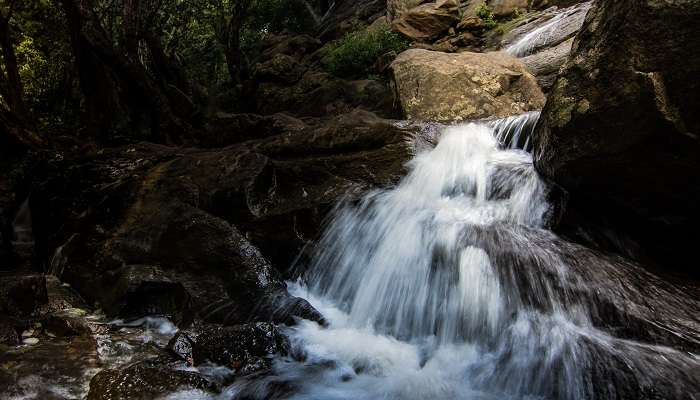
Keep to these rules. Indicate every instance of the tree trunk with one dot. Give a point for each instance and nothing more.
(11, 82)
(96, 83)
(141, 94)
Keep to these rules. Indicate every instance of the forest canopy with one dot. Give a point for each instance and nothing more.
(142, 69)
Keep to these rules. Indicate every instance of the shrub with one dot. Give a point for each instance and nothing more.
(484, 12)
(354, 55)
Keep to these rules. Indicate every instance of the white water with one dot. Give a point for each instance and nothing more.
(416, 312)
(563, 23)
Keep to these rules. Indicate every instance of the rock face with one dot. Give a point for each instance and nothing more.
(428, 21)
(620, 128)
(452, 87)
(187, 232)
(394, 8)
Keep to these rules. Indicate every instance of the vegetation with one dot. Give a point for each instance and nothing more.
(484, 12)
(131, 69)
(354, 55)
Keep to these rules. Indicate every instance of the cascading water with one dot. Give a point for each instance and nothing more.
(448, 287)
(563, 24)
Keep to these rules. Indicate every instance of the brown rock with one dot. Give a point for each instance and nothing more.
(453, 87)
(428, 21)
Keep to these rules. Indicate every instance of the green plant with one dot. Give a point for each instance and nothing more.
(484, 12)
(354, 55)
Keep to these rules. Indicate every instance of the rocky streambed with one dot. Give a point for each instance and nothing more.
(238, 267)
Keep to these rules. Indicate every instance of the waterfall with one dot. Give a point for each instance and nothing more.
(416, 306)
(558, 28)
(448, 286)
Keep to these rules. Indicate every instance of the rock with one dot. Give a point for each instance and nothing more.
(226, 129)
(144, 380)
(620, 129)
(8, 332)
(295, 46)
(244, 348)
(506, 8)
(66, 323)
(319, 94)
(22, 295)
(545, 64)
(138, 290)
(30, 341)
(544, 31)
(428, 21)
(280, 68)
(395, 8)
(191, 232)
(453, 87)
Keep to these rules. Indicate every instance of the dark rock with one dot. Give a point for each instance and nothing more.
(67, 323)
(22, 295)
(8, 332)
(176, 231)
(280, 68)
(144, 380)
(244, 348)
(226, 129)
(620, 129)
(137, 290)
(295, 46)
(319, 94)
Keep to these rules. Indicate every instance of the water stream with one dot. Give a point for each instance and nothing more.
(437, 288)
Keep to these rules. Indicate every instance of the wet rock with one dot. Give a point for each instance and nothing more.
(543, 31)
(620, 129)
(428, 21)
(22, 295)
(244, 348)
(69, 322)
(138, 290)
(188, 232)
(145, 380)
(452, 87)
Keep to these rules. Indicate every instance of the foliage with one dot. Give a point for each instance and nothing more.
(354, 55)
(484, 12)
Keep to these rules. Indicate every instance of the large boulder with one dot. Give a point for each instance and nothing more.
(428, 21)
(148, 229)
(620, 129)
(452, 87)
